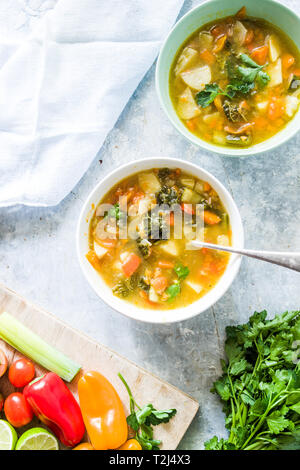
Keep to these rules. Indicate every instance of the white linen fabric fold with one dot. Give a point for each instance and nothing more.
(62, 90)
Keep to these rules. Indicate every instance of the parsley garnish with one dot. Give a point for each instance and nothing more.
(114, 212)
(142, 420)
(181, 271)
(243, 72)
(260, 385)
(173, 290)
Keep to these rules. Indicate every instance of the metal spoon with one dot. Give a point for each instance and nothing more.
(287, 259)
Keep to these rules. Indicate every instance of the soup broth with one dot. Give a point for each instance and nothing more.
(157, 268)
(236, 81)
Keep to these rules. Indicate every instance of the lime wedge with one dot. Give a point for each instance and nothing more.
(8, 436)
(37, 439)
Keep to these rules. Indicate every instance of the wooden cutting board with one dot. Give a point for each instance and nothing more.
(146, 387)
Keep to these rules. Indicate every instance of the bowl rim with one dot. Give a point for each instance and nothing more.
(126, 308)
(273, 142)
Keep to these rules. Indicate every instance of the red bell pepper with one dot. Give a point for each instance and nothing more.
(53, 403)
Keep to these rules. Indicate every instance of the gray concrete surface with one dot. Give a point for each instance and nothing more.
(38, 255)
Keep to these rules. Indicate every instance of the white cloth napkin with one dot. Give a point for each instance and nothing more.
(62, 90)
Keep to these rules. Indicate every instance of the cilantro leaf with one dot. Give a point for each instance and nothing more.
(141, 415)
(238, 367)
(219, 444)
(247, 74)
(223, 389)
(160, 416)
(205, 97)
(262, 78)
(277, 422)
(296, 407)
(181, 271)
(173, 290)
(248, 61)
(132, 421)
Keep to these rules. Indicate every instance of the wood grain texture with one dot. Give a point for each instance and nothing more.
(146, 387)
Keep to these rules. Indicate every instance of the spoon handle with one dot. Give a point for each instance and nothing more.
(287, 259)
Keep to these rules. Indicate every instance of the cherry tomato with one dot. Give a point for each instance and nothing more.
(1, 401)
(21, 372)
(17, 410)
(3, 363)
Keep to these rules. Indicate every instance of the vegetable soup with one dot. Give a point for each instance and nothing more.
(236, 81)
(140, 236)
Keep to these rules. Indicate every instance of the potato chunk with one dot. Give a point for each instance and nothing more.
(197, 78)
(206, 41)
(223, 240)
(194, 286)
(99, 250)
(239, 33)
(170, 247)
(291, 105)
(186, 59)
(274, 48)
(149, 183)
(275, 72)
(187, 107)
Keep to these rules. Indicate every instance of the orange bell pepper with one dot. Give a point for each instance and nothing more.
(102, 412)
(84, 446)
(131, 444)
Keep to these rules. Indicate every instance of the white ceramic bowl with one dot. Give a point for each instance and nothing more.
(98, 284)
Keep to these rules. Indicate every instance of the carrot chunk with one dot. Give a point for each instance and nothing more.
(287, 61)
(211, 218)
(107, 242)
(159, 284)
(208, 57)
(296, 72)
(93, 259)
(276, 108)
(187, 208)
(249, 36)
(164, 264)
(220, 43)
(131, 264)
(241, 14)
(260, 54)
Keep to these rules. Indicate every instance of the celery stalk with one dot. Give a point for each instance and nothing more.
(31, 345)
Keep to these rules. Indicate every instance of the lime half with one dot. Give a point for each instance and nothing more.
(8, 436)
(37, 439)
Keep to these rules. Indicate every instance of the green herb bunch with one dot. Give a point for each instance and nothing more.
(260, 385)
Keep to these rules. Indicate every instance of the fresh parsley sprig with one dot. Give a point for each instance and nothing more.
(142, 420)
